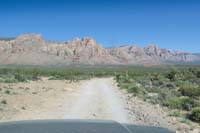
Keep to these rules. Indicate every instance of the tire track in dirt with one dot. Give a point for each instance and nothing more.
(97, 99)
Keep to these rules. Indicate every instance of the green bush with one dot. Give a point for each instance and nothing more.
(20, 77)
(4, 101)
(190, 90)
(175, 113)
(135, 89)
(187, 103)
(123, 85)
(154, 99)
(172, 75)
(7, 92)
(155, 76)
(34, 77)
(10, 80)
(170, 86)
(184, 103)
(198, 74)
(174, 103)
(195, 115)
(186, 121)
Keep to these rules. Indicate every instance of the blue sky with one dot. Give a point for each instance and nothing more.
(173, 24)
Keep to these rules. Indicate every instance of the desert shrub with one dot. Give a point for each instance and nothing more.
(187, 103)
(136, 89)
(172, 75)
(160, 82)
(124, 85)
(170, 85)
(4, 71)
(166, 94)
(146, 83)
(175, 113)
(155, 76)
(152, 89)
(20, 77)
(7, 92)
(174, 103)
(186, 121)
(198, 74)
(124, 79)
(195, 115)
(4, 101)
(34, 77)
(184, 103)
(9, 80)
(156, 83)
(55, 78)
(190, 90)
(154, 100)
(133, 89)
(117, 77)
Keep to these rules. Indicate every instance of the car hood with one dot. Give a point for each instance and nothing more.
(76, 126)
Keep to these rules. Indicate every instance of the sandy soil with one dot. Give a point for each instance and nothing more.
(98, 100)
(55, 99)
(45, 99)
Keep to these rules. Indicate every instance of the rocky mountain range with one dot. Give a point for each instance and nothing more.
(32, 49)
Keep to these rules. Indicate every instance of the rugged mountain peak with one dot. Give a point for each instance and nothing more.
(152, 49)
(89, 41)
(86, 41)
(75, 40)
(135, 48)
(84, 51)
(33, 37)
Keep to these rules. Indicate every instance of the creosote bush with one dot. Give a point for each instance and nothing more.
(3, 101)
(190, 90)
(184, 103)
(135, 89)
(195, 115)
(20, 77)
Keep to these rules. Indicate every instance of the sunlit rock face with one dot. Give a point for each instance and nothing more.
(33, 49)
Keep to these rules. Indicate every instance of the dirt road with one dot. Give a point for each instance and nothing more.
(97, 99)
(57, 99)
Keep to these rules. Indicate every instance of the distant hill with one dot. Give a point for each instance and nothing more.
(32, 49)
(7, 38)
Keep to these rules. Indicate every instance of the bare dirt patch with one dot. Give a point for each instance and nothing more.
(44, 99)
